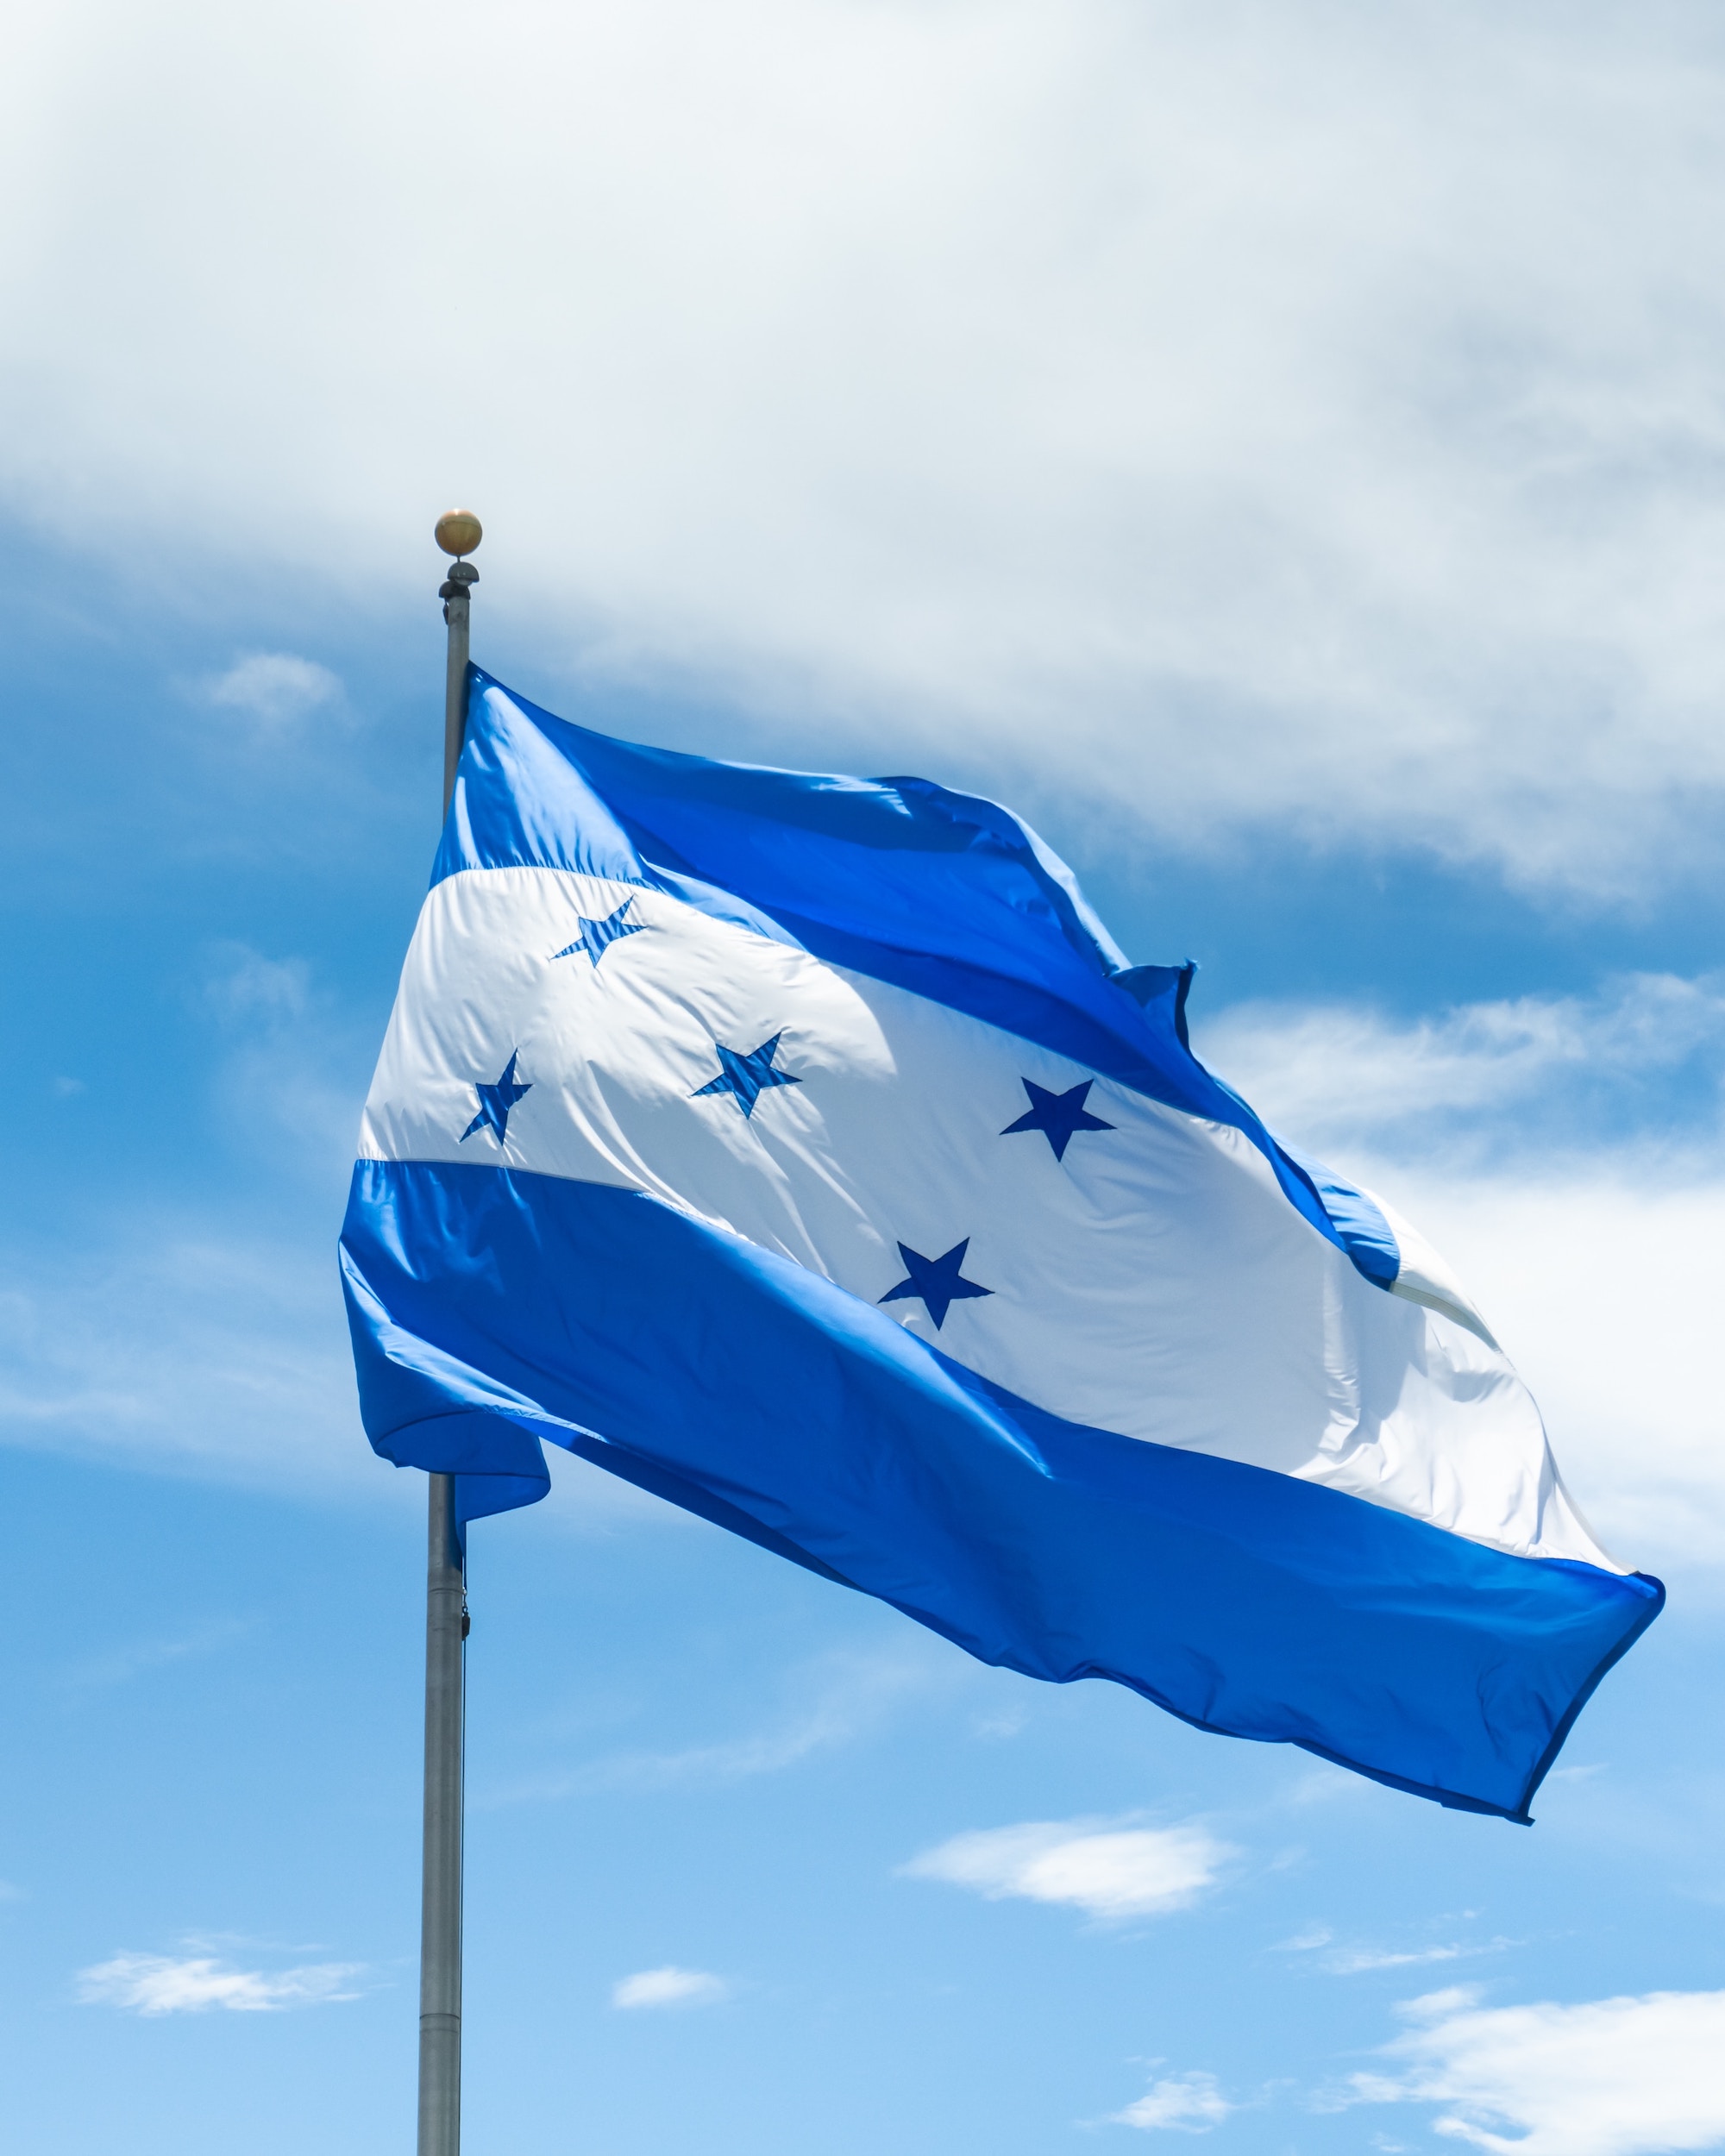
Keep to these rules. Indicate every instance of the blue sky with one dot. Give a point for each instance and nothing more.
(1279, 450)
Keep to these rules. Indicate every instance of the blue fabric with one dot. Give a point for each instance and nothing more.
(597, 938)
(491, 1307)
(1058, 1115)
(945, 894)
(746, 1074)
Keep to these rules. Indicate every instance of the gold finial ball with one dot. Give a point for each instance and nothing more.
(459, 531)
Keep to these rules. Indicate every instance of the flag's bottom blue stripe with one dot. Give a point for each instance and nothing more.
(491, 1308)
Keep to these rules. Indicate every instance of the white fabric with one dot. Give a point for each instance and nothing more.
(1155, 1282)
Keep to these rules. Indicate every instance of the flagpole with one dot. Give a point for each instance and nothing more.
(446, 1602)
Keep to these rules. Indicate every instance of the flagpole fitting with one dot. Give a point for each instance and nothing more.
(458, 531)
(456, 585)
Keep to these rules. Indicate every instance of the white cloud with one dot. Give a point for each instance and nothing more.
(295, 1065)
(1624, 2077)
(1110, 1872)
(1598, 1283)
(669, 1986)
(1237, 412)
(1192, 2102)
(1537, 1074)
(152, 1984)
(1001, 1723)
(1566, 1156)
(274, 688)
(243, 987)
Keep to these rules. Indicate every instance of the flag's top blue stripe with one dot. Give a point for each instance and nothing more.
(943, 893)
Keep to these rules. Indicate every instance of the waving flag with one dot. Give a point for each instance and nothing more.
(803, 1150)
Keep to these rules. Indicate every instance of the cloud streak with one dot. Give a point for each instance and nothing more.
(120, 1665)
(156, 1985)
(1349, 1961)
(186, 1347)
(855, 1694)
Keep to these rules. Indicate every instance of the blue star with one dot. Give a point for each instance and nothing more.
(495, 1103)
(597, 937)
(747, 1076)
(935, 1281)
(1058, 1115)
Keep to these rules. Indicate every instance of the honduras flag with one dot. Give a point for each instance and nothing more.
(803, 1150)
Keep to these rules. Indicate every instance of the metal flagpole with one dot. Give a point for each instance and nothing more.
(446, 1601)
